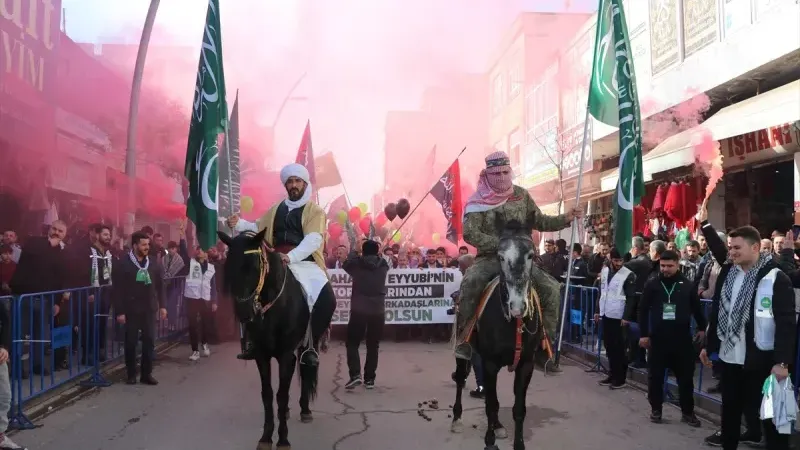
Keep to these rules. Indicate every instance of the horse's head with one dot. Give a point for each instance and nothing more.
(247, 268)
(516, 254)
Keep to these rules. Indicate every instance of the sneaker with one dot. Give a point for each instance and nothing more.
(477, 392)
(655, 416)
(615, 386)
(715, 440)
(605, 382)
(195, 356)
(691, 420)
(750, 438)
(7, 444)
(353, 383)
(206, 350)
(369, 384)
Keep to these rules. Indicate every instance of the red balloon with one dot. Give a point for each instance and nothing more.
(381, 219)
(364, 224)
(354, 214)
(334, 230)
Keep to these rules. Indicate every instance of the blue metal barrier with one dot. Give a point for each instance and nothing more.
(60, 336)
(584, 336)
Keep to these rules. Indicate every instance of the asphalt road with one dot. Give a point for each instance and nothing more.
(215, 404)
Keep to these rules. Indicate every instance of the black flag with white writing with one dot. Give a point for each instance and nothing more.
(447, 192)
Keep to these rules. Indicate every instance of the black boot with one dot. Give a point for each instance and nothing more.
(248, 352)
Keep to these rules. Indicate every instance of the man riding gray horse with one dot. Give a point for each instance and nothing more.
(495, 196)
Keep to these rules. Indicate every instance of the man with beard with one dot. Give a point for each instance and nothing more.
(496, 197)
(93, 267)
(295, 228)
(617, 289)
(43, 267)
(138, 293)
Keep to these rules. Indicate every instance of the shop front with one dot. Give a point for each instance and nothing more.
(759, 168)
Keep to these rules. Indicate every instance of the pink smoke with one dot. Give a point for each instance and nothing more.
(662, 125)
(708, 159)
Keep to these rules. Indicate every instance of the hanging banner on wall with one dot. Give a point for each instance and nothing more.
(700, 28)
(664, 34)
(413, 296)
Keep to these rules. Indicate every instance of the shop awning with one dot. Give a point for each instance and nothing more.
(775, 107)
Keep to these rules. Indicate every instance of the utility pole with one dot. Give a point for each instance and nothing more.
(133, 112)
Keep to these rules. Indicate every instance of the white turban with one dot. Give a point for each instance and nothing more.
(299, 171)
(295, 170)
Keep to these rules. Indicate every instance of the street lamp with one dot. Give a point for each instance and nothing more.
(133, 111)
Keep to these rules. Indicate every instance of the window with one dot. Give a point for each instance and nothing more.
(515, 77)
(498, 94)
(514, 147)
(542, 108)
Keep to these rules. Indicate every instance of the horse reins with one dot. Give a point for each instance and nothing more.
(263, 269)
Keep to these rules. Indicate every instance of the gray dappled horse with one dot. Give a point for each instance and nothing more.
(509, 331)
(266, 292)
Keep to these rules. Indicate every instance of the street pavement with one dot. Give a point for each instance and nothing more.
(215, 404)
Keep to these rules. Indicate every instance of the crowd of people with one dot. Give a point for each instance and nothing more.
(650, 304)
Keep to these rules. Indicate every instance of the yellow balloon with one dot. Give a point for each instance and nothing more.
(396, 237)
(364, 208)
(341, 217)
(246, 204)
(436, 238)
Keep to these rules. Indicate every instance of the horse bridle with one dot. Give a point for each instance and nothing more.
(263, 268)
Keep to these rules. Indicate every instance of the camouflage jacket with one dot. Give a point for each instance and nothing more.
(480, 229)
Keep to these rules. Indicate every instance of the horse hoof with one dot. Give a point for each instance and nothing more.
(264, 446)
(284, 447)
(500, 433)
(457, 426)
(306, 418)
(491, 447)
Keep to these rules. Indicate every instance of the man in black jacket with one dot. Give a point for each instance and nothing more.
(367, 308)
(43, 267)
(665, 319)
(138, 293)
(752, 330)
(644, 267)
(553, 262)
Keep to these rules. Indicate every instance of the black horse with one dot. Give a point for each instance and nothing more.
(509, 333)
(266, 293)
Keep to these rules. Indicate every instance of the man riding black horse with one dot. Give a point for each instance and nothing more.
(295, 228)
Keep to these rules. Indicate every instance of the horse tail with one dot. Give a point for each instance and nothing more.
(309, 378)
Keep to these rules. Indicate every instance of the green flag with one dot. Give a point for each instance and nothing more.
(614, 100)
(209, 117)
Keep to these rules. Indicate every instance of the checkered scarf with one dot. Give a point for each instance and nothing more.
(729, 330)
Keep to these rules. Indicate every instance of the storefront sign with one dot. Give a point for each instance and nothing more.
(700, 27)
(664, 34)
(29, 32)
(413, 296)
(71, 176)
(760, 145)
(738, 15)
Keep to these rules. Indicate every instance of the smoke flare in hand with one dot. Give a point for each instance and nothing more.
(708, 158)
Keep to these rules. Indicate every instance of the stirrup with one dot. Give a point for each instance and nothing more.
(469, 346)
(309, 349)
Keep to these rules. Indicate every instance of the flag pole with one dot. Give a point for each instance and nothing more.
(228, 156)
(572, 237)
(346, 195)
(424, 197)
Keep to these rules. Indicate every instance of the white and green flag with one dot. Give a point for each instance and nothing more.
(209, 118)
(614, 100)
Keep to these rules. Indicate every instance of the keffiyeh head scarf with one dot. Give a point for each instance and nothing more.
(494, 185)
(299, 171)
